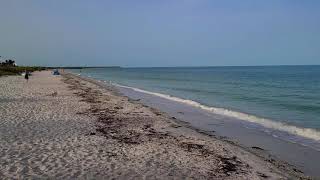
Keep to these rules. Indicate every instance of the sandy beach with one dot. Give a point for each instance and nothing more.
(66, 127)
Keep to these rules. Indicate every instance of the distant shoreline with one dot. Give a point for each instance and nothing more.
(82, 67)
(222, 66)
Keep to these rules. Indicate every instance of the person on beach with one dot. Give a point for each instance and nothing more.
(26, 76)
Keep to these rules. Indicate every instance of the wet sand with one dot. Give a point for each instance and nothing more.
(242, 133)
(69, 127)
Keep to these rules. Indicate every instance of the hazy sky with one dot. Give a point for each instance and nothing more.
(160, 32)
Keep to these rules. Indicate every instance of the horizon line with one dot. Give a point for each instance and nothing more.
(179, 66)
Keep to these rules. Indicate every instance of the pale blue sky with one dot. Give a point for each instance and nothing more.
(160, 32)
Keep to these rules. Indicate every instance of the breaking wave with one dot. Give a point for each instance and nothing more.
(267, 123)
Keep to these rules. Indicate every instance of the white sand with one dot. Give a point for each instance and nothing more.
(41, 135)
(48, 131)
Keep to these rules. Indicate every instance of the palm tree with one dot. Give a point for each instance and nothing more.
(11, 62)
(8, 62)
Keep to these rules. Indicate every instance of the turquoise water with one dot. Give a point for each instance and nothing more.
(287, 94)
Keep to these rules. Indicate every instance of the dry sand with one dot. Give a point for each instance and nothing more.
(67, 127)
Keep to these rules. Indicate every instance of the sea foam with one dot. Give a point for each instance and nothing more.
(267, 123)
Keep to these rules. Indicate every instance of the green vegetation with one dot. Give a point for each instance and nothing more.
(16, 70)
(8, 67)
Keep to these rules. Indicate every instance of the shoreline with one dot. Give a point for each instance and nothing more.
(257, 151)
(74, 127)
(305, 158)
(307, 134)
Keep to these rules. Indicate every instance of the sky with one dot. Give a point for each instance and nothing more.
(151, 33)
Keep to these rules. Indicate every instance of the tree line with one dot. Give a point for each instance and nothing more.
(8, 62)
(9, 67)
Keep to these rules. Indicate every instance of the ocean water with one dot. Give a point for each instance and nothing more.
(284, 98)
